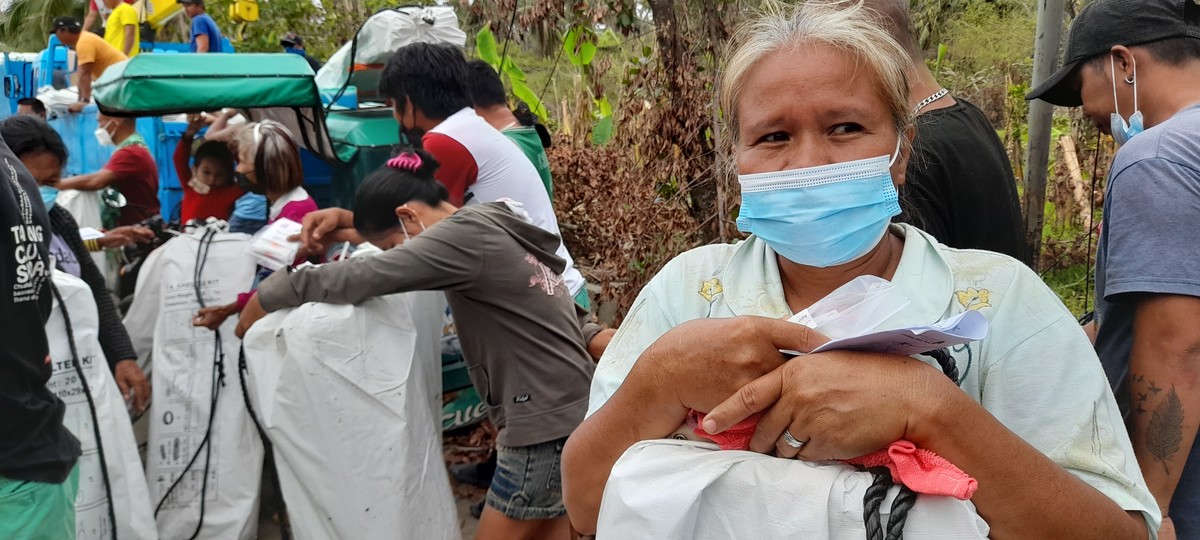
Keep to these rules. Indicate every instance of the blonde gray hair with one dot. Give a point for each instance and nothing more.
(843, 24)
(276, 157)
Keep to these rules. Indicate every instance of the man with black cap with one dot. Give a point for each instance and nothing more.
(294, 44)
(93, 55)
(206, 37)
(1134, 66)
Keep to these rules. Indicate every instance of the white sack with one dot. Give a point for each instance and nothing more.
(130, 500)
(350, 397)
(387, 31)
(84, 206)
(161, 318)
(670, 489)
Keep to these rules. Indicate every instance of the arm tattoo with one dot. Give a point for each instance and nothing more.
(1164, 433)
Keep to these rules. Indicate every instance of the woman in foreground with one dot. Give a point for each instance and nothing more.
(816, 101)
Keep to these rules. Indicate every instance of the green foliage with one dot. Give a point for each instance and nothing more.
(986, 34)
(25, 25)
(488, 50)
(580, 45)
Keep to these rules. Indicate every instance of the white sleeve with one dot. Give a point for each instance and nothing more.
(644, 324)
(1048, 387)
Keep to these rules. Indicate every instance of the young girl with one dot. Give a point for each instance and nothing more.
(268, 163)
(516, 320)
(208, 187)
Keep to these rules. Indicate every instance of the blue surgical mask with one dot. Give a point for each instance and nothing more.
(821, 216)
(49, 194)
(293, 50)
(1122, 131)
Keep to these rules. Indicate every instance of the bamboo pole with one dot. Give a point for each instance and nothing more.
(1041, 116)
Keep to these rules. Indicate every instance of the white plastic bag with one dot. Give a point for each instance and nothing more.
(184, 358)
(130, 500)
(670, 489)
(270, 246)
(386, 31)
(854, 308)
(350, 397)
(84, 206)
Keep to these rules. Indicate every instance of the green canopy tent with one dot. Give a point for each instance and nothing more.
(278, 87)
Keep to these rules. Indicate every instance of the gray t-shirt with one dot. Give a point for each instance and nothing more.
(1150, 244)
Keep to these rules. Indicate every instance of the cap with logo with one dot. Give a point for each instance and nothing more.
(65, 23)
(1104, 24)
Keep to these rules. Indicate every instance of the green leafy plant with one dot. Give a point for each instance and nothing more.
(488, 50)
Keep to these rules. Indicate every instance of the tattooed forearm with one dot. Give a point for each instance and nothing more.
(1164, 432)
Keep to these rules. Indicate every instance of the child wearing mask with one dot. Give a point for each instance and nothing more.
(268, 164)
(208, 186)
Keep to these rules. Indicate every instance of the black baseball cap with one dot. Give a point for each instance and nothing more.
(1104, 24)
(198, 2)
(67, 23)
(291, 38)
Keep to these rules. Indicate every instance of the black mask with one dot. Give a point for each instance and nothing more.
(411, 136)
(245, 183)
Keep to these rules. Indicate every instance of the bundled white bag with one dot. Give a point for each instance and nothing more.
(388, 30)
(228, 471)
(85, 207)
(673, 489)
(350, 397)
(130, 501)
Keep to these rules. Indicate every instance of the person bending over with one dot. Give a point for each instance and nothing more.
(516, 319)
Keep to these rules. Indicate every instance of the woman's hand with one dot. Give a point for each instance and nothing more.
(315, 233)
(840, 404)
(213, 316)
(130, 377)
(125, 236)
(705, 361)
(695, 365)
(250, 315)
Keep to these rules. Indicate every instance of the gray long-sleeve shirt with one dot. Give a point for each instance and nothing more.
(516, 320)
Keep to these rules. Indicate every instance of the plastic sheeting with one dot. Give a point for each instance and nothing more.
(350, 397)
(130, 500)
(160, 323)
(685, 489)
(84, 206)
(387, 31)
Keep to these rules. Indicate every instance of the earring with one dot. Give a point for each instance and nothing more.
(1128, 80)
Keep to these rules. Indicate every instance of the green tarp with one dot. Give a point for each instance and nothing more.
(166, 83)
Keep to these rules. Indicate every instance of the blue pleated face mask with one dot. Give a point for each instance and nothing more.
(1122, 131)
(821, 216)
(49, 195)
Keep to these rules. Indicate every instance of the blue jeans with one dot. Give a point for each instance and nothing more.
(1185, 504)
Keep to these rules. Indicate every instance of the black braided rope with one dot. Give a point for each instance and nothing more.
(906, 498)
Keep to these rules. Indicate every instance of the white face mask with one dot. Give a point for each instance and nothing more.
(103, 137)
(404, 229)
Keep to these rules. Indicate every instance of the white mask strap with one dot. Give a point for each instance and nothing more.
(896, 154)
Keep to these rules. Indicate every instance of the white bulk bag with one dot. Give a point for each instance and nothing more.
(350, 397)
(674, 489)
(388, 30)
(130, 501)
(85, 207)
(183, 358)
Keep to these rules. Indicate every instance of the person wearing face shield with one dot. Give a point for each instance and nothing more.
(131, 170)
(1134, 67)
(816, 100)
(517, 320)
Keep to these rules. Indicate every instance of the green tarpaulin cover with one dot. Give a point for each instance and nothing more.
(166, 83)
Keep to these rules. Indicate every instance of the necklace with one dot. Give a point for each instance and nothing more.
(929, 100)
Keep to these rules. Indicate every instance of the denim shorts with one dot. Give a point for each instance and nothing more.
(528, 481)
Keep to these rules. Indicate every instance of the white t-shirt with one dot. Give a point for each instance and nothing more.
(478, 164)
(1036, 372)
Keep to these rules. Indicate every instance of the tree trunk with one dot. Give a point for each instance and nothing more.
(670, 46)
